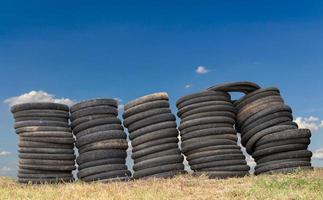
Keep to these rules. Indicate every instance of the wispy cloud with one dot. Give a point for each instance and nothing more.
(188, 85)
(4, 153)
(318, 154)
(37, 96)
(201, 70)
(312, 123)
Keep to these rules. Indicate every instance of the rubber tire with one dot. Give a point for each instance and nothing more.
(152, 128)
(158, 169)
(100, 154)
(94, 103)
(100, 136)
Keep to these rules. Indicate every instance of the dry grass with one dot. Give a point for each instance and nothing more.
(298, 185)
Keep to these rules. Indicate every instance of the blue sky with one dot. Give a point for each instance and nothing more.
(88, 49)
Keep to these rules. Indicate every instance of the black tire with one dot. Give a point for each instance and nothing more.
(240, 86)
(45, 150)
(189, 146)
(215, 147)
(56, 140)
(244, 168)
(160, 134)
(257, 136)
(98, 110)
(210, 138)
(46, 156)
(47, 134)
(100, 154)
(152, 150)
(151, 120)
(173, 151)
(288, 170)
(265, 119)
(93, 103)
(99, 136)
(101, 128)
(265, 112)
(208, 132)
(35, 118)
(42, 128)
(154, 143)
(305, 159)
(205, 126)
(32, 171)
(100, 169)
(187, 108)
(143, 115)
(40, 123)
(282, 165)
(263, 92)
(105, 144)
(145, 99)
(158, 161)
(42, 113)
(96, 122)
(209, 114)
(158, 169)
(46, 162)
(85, 119)
(213, 98)
(242, 117)
(206, 120)
(246, 136)
(305, 141)
(201, 94)
(48, 167)
(39, 105)
(284, 135)
(214, 108)
(29, 144)
(112, 175)
(102, 162)
(144, 107)
(152, 128)
(285, 155)
(221, 163)
(217, 158)
(212, 153)
(278, 149)
(60, 175)
(165, 175)
(243, 111)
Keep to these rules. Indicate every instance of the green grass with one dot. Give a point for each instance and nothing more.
(297, 185)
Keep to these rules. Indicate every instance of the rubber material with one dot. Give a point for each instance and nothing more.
(93, 103)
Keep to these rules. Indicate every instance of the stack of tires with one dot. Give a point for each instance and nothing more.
(100, 140)
(46, 143)
(209, 140)
(154, 137)
(269, 133)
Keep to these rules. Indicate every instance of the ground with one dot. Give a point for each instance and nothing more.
(297, 185)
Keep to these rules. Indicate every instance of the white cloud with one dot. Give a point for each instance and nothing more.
(118, 99)
(120, 107)
(201, 70)
(312, 123)
(188, 85)
(318, 154)
(37, 96)
(5, 153)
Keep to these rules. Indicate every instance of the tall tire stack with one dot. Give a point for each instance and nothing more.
(269, 133)
(46, 143)
(154, 137)
(100, 140)
(209, 140)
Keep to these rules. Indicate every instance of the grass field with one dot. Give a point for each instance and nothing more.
(298, 185)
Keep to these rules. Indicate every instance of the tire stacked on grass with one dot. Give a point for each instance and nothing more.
(46, 143)
(269, 133)
(154, 137)
(209, 140)
(100, 140)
